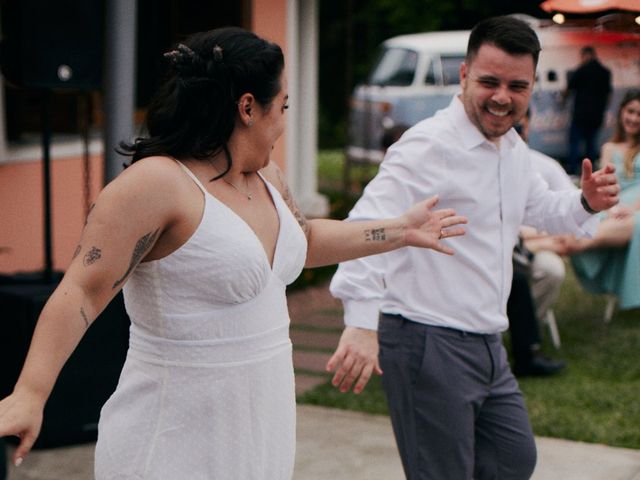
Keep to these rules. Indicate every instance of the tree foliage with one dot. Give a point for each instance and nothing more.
(352, 30)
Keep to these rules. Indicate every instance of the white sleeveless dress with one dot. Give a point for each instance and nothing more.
(207, 390)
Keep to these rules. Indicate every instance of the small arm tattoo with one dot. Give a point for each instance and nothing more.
(77, 252)
(375, 235)
(84, 317)
(86, 220)
(142, 246)
(92, 256)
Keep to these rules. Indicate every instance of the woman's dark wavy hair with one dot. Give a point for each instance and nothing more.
(193, 112)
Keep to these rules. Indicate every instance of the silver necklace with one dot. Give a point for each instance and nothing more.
(246, 193)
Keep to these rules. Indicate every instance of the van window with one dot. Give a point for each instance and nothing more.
(395, 66)
(430, 76)
(451, 69)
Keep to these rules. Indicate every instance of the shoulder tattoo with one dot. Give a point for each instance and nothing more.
(288, 198)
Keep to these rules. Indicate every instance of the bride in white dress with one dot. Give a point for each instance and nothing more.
(203, 235)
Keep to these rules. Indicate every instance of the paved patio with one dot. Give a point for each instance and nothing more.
(339, 445)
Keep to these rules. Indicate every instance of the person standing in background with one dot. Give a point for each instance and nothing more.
(590, 85)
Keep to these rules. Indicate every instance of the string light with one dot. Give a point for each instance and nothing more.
(559, 18)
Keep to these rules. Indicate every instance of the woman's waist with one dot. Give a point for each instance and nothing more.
(208, 352)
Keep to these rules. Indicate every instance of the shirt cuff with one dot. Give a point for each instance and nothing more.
(361, 313)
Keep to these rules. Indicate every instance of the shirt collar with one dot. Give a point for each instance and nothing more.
(470, 136)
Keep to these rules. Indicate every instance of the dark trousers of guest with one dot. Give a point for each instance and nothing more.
(524, 329)
(582, 143)
(456, 409)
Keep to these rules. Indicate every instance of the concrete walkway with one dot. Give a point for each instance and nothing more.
(339, 445)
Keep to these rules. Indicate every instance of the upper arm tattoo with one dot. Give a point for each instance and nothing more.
(143, 245)
(288, 198)
(91, 256)
(77, 252)
(86, 220)
(84, 317)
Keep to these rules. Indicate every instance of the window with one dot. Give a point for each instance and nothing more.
(430, 77)
(395, 66)
(451, 69)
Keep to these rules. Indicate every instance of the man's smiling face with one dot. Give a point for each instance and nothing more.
(496, 88)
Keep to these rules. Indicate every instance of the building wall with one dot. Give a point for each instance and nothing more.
(21, 217)
(269, 20)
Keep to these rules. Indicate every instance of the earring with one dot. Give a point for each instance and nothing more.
(250, 123)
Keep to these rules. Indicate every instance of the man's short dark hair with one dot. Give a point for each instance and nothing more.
(510, 34)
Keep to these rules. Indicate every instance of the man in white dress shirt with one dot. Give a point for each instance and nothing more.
(456, 409)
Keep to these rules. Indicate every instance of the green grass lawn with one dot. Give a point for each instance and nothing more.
(595, 399)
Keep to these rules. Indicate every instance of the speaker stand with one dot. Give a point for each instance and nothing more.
(46, 183)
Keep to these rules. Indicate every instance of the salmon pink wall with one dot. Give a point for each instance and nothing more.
(269, 20)
(21, 204)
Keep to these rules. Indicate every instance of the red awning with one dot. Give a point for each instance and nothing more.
(589, 6)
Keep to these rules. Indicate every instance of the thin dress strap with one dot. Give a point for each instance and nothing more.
(193, 177)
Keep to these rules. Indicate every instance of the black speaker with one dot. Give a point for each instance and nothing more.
(53, 44)
(88, 378)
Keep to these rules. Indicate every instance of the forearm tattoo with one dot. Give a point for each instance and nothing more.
(92, 256)
(288, 198)
(375, 235)
(84, 317)
(142, 246)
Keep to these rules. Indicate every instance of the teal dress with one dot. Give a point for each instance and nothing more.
(616, 270)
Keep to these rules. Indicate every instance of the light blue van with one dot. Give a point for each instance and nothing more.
(416, 75)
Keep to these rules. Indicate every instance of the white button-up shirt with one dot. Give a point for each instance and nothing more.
(494, 186)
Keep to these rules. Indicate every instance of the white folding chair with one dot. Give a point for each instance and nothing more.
(550, 320)
(610, 307)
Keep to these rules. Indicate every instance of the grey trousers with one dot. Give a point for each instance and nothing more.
(456, 409)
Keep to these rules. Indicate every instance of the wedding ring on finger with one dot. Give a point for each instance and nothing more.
(441, 234)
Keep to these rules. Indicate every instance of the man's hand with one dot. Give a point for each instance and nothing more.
(356, 358)
(600, 189)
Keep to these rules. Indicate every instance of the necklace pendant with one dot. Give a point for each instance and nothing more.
(249, 196)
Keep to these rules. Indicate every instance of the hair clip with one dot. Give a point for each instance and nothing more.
(181, 52)
(217, 53)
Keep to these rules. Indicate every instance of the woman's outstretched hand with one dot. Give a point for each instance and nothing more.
(21, 416)
(426, 227)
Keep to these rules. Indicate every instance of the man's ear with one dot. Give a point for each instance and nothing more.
(463, 74)
(246, 107)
